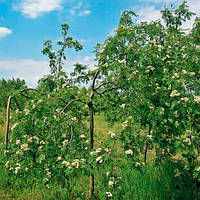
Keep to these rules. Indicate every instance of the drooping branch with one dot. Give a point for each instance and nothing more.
(32, 89)
(16, 102)
(109, 89)
(101, 85)
(71, 102)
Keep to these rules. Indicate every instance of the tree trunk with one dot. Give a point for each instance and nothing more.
(91, 125)
(7, 122)
(91, 145)
(147, 145)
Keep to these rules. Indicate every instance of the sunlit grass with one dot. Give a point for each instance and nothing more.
(2, 124)
(102, 128)
(2, 130)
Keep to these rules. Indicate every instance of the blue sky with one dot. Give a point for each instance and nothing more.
(25, 24)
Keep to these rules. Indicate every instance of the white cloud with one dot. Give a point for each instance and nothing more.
(28, 69)
(32, 70)
(78, 6)
(85, 12)
(4, 32)
(35, 8)
(149, 14)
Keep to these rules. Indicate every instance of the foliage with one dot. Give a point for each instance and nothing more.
(156, 70)
(8, 87)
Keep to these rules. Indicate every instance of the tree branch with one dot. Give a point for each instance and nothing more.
(94, 79)
(32, 89)
(109, 89)
(103, 85)
(71, 102)
(27, 89)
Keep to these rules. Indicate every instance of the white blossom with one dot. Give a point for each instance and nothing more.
(26, 111)
(111, 183)
(7, 164)
(14, 126)
(174, 93)
(185, 99)
(184, 71)
(18, 142)
(112, 135)
(176, 124)
(98, 150)
(76, 163)
(25, 147)
(17, 169)
(109, 194)
(197, 99)
(99, 159)
(59, 158)
(123, 105)
(65, 163)
(129, 152)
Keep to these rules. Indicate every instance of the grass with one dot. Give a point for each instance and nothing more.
(2, 130)
(2, 124)
(102, 128)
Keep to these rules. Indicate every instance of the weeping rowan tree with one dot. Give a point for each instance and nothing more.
(157, 68)
(80, 75)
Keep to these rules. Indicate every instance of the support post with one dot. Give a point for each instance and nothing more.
(7, 121)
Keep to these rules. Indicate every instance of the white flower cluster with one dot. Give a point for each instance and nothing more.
(125, 124)
(184, 72)
(112, 135)
(185, 99)
(174, 93)
(197, 99)
(99, 159)
(176, 75)
(17, 168)
(149, 68)
(25, 147)
(187, 140)
(76, 163)
(109, 194)
(122, 106)
(14, 126)
(129, 152)
(26, 111)
(82, 136)
(48, 173)
(121, 61)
